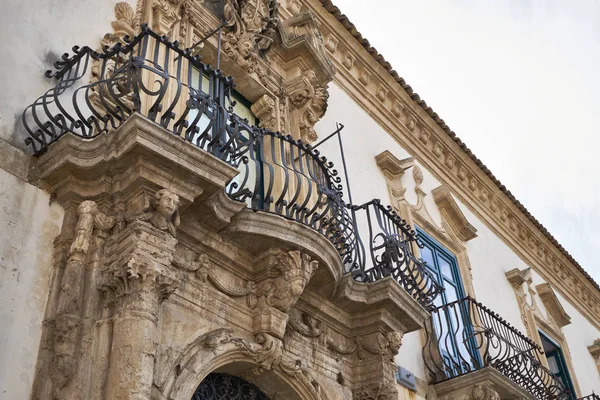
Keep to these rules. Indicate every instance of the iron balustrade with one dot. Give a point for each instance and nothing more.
(97, 91)
(592, 396)
(465, 336)
(390, 243)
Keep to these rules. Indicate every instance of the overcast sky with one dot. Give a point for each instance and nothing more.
(517, 80)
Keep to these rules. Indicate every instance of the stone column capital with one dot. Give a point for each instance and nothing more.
(139, 260)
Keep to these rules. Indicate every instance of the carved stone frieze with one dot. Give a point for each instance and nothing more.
(377, 344)
(225, 282)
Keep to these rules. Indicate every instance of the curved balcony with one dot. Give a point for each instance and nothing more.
(96, 92)
(464, 336)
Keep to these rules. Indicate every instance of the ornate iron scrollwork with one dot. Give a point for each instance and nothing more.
(218, 386)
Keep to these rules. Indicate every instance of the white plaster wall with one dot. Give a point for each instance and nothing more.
(29, 225)
(489, 256)
(36, 33)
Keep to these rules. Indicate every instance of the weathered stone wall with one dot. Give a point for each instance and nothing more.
(40, 32)
(30, 221)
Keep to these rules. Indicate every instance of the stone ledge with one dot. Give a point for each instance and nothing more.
(462, 385)
(139, 150)
(386, 294)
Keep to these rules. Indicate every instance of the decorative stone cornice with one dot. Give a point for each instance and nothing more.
(391, 166)
(418, 133)
(452, 214)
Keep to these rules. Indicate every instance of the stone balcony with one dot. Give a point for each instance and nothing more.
(239, 234)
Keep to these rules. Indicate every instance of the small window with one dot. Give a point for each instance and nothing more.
(556, 362)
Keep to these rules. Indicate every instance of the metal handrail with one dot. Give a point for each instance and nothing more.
(391, 243)
(168, 85)
(464, 336)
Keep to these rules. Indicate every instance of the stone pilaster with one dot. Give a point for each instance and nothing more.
(141, 275)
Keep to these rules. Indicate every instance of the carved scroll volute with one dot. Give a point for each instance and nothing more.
(266, 111)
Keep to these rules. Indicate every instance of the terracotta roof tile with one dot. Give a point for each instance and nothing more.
(335, 11)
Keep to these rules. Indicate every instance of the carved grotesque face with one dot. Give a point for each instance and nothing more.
(167, 203)
(297, 286)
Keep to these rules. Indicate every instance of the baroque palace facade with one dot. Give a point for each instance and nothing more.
(241, 199)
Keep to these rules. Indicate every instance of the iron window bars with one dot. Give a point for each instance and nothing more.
(465, 336)
(170, 86)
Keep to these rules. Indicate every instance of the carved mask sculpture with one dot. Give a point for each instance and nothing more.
(296, 269)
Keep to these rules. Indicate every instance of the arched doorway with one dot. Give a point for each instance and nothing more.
(220, 386)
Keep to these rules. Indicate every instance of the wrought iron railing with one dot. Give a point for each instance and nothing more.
(96, 92)
(465, 336)
(388, 250)
(592, 396)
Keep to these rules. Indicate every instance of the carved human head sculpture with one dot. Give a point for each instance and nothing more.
(165, 215)
(165, 202)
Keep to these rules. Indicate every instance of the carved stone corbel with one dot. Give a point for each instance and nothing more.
(308, 103)
(165, 14)
(265, 110)
(295, 270)
(163, 213)
(277, 295)
(483, 391)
